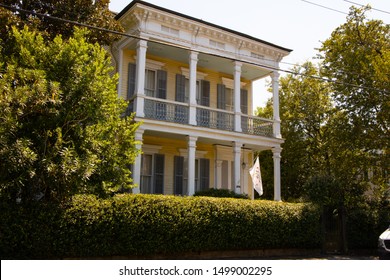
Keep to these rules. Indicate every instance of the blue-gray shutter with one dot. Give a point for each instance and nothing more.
(161, 84)
(180, 88)
(205, 93)
(244, 110)
(159, 174)
(204, 174)
(244, 101)
(131, 80)
(178, 175)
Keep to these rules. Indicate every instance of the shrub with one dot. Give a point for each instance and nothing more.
(220, 193)
(143, 225)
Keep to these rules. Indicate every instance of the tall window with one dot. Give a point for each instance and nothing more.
(225, 97)
(183, 90)
(146, 173)
(156, 83)
(150, 83)
(202, 175)
(152, 173)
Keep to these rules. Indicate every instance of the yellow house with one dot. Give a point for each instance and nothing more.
(189, 82)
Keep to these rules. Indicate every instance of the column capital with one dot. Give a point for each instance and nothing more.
(275, 75)
(194, 55)
(237, 145)
(237, 66)
(139, 134)
(142, 43)
(276, 151)
(191, 139)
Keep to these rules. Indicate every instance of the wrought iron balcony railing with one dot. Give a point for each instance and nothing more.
(177, 112)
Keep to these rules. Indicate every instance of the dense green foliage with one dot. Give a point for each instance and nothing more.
(90, 12)
(61, 130)
(220, 193)
(357, 57)
(141, 225)
(338, 130)
(305, 110)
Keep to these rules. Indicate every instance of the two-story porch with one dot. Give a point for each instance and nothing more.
(193, 95)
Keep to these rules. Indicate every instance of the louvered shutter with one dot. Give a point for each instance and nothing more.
(180, 88)
(159, 173)
(205, 93)
(244, 101)
(161, 84)
(178, 175)
(204, 174)
(131, 80)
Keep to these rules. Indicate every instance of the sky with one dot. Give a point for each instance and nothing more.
(293, 24)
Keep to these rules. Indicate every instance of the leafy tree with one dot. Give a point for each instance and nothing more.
(91, 12)
(61, 130)
(305, 109)
(357, 58)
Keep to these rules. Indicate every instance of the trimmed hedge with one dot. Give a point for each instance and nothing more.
(220, 193)
(142, 225)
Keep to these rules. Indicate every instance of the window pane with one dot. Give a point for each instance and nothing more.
(146, 165)
(150, 82)
(146, 184)
(229, 99)
(146, 174)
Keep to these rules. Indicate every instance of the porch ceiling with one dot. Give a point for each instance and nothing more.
(207, 61)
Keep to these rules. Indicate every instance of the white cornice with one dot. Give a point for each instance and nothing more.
(141, 13)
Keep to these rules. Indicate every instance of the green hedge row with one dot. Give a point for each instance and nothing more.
(220, 193)
(143, 225)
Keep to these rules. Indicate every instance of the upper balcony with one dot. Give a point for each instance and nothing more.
(178, 112)
(181, 70)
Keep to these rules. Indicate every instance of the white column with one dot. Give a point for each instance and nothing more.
(237, 166)
(237, 96)
(276, 156)
(142, 45)
(191, 164)
(275, 91)
(193, 61)
(138, 161)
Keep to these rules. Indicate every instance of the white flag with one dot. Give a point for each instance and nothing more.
(256, 177)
